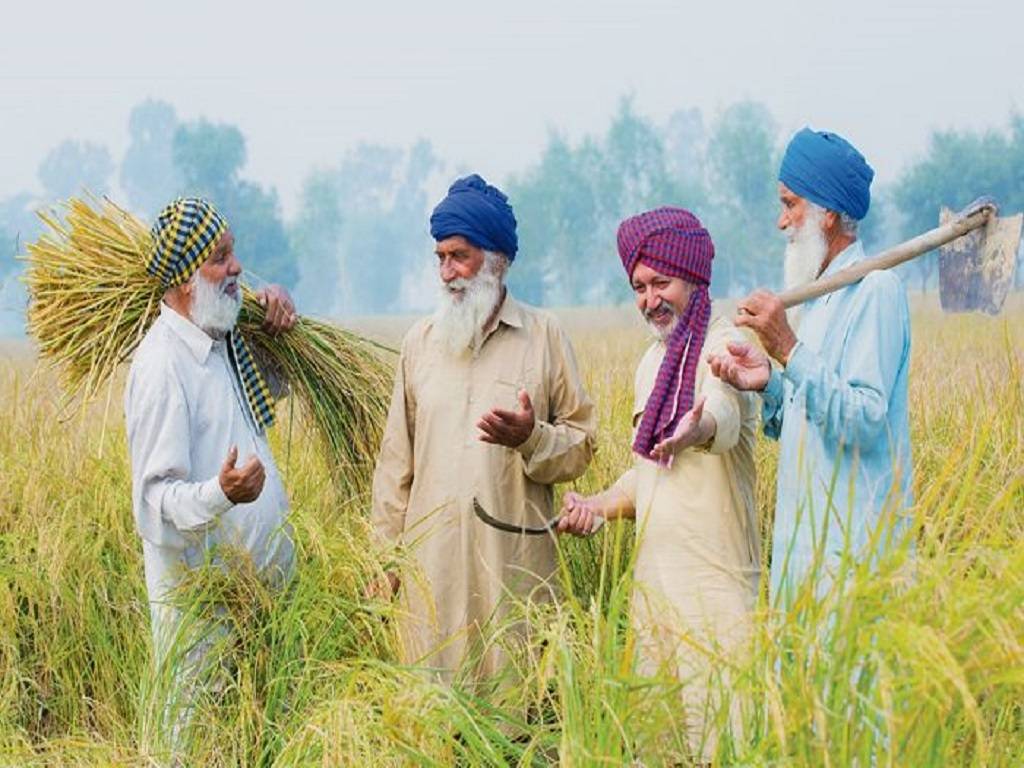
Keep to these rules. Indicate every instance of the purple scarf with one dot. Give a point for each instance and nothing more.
(673, 242)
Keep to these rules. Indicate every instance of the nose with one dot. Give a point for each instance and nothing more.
(652, 299)
(234, 267)
(447, 269)
(783, 221)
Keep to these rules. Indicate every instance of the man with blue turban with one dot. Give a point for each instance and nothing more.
(197, 407)
(837, 400)
(488, 405)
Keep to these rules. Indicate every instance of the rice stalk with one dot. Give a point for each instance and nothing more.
(92, 302)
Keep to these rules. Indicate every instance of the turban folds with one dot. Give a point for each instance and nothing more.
(480, 213)
(184, 236)
(826, 169)
(673, 242)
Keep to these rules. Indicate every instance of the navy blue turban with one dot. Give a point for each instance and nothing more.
(828, 170)
(478, 212)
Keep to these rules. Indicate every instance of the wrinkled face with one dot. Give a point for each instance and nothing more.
(660, 298)
(458, 258)
(794, 209)
(223, 264)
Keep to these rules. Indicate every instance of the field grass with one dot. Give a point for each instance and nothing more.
(908, 665)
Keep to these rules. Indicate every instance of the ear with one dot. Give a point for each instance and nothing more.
(829, 222)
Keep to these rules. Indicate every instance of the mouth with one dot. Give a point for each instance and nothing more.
(231, 289)
(660, 317)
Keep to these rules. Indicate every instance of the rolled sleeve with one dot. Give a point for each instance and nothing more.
(627, 483)
(725, 409)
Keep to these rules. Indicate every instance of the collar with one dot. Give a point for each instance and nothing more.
(511, 312)
(195, 338)
(851, 254)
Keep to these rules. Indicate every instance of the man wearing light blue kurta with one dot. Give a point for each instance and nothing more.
(838, 402)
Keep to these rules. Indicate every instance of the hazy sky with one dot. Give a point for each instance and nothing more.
(486, 82)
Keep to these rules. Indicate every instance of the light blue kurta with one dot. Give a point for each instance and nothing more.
(839, 411)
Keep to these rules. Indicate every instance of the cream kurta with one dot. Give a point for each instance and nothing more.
(697, 560)
(432, 464)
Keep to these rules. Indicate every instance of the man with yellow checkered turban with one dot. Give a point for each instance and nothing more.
(195, 402)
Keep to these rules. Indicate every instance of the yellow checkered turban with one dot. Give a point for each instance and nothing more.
(184, 236)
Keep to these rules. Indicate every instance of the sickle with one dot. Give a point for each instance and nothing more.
(525, 530)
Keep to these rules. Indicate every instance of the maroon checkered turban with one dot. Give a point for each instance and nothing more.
(673, 242)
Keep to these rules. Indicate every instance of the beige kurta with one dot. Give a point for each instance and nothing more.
(697, 560)
(432, 464)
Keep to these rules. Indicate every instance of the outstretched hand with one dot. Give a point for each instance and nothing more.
(691, 430)
(508, 428)
(744, 367)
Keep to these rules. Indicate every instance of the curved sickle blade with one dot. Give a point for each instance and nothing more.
(523, 530)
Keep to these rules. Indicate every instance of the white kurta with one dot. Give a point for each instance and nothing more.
(698, 543)
(184, 410)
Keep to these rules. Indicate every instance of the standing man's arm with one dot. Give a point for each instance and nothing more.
(748, 369)
(392, 478)
(158, 442)
(560, 451)
(852, 404)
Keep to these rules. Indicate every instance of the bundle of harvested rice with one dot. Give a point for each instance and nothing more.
(92, 301)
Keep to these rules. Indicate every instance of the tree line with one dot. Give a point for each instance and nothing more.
(359, 242)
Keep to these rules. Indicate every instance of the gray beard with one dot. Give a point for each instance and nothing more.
(460, 318)
(659, 333)
(214, 310)
(805, 253)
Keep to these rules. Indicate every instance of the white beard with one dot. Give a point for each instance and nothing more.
(213, 309)
(463, 308)
(805, 253)
(659, 332)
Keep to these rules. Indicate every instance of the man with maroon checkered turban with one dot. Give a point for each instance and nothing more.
(691, 487)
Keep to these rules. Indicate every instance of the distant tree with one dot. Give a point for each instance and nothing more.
(570, 204)
(18, 216)
(743, 160)
(149, 176)
(685, 148)
(209, 158)
(8, 250)
(558, 212)
(73, 166)
(315, 241)
(370, 210)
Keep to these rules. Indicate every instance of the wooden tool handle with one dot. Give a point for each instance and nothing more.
(887, 259)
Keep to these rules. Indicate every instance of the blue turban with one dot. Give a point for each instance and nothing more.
(478, 212)
(828, 170)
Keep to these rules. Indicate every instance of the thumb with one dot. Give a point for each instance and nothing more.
(738, 348)
(524, 400)
(698, 409)
(232, 457)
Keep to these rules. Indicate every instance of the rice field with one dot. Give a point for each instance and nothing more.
(886, 670)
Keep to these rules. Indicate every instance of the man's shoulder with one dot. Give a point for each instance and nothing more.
(158, 358)
(884, 280)
(883, 287)
(538, 319)
(417, 334)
